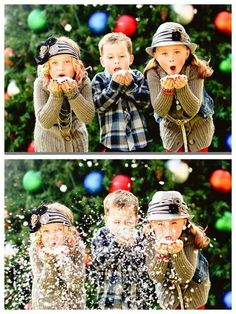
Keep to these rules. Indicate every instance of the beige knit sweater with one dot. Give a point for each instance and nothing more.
(47, 136)
(199, 131)
(58, 283)
(180, 273)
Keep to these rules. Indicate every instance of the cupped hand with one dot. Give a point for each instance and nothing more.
(167, 82)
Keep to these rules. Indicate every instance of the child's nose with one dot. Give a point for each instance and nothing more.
(116, 60)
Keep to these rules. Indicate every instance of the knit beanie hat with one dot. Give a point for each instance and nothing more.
(167, 205)
(44, 215)
(169, 34)
(53, 47)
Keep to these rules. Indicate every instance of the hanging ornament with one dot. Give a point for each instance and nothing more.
(93, 182)
(228, 141)
(6, 96)
(220, 180)
(8, 54)
(98, 22)
(185, 13)
(223, 22)
(63, 188)
(225, 222)
(226, 65)
(31, 148)
(120, 182)
(12, 88)
(9, 250)
(32, 181)
(227, 299)
(68, 28)
(126, 24)
(179, 170)
(37, 20)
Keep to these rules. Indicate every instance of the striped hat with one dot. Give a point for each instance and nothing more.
(169, 34)
(54, 47)
(44, 215)
(167, 205)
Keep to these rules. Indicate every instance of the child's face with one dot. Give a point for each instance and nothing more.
(116, 57)
(121, 220)
(53, 235)
(168, 230)
(61, 66)
(172, 58)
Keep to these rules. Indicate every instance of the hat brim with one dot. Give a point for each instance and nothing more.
(191, 46)
(169, 217)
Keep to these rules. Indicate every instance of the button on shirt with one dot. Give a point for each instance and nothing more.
(122, 123)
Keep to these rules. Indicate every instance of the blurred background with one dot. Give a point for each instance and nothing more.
(27, 25)
(83, 184)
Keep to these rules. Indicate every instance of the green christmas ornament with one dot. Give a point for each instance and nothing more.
(32, 181)
(37, 20)
(224, 223)
(226, 65)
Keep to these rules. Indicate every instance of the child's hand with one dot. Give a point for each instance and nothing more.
(47, 253)
(119, 77)
(69, 87)
(169, 247)
(125, 236)
(54, 88)
(128, 78)
(180, 81)
(167, 82)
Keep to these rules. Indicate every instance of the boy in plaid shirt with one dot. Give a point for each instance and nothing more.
(118, 255)
(120, 95)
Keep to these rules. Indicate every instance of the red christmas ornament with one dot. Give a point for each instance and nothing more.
(223, 22)
(6, 96)
(8, 53)
(126, 24)
(120, 182)
(220, 180)
(31, 148)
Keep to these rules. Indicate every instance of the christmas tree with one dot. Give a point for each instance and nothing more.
(83, 184)
(86, 24)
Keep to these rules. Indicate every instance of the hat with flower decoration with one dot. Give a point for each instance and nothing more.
(167, 205)
(169, 34)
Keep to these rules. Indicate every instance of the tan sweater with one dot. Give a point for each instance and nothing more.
(58, 283)
(199, 131)
(178, 271)
(47, 136)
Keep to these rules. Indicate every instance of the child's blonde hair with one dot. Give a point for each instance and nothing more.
(70, 231)
(77, 64)
(204, 70)
(200, 238)
(121, 199)
(113, 38)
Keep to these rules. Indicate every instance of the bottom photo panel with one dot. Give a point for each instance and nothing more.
(117, 234)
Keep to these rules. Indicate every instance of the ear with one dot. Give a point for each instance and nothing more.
(102, 62)
(131, 59)
(187, 53)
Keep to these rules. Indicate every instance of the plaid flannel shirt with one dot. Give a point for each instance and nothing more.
(122, 122)
(122, 277)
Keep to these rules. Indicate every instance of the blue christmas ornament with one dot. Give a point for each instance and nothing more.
(93, 182)
(97, 22)
(227, 299)
(228, 141)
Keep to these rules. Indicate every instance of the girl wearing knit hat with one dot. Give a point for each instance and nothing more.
(176, 82)
(173, 255)
(62, 98)
(57, 260)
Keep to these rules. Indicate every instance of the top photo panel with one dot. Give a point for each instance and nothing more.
(118, 78)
